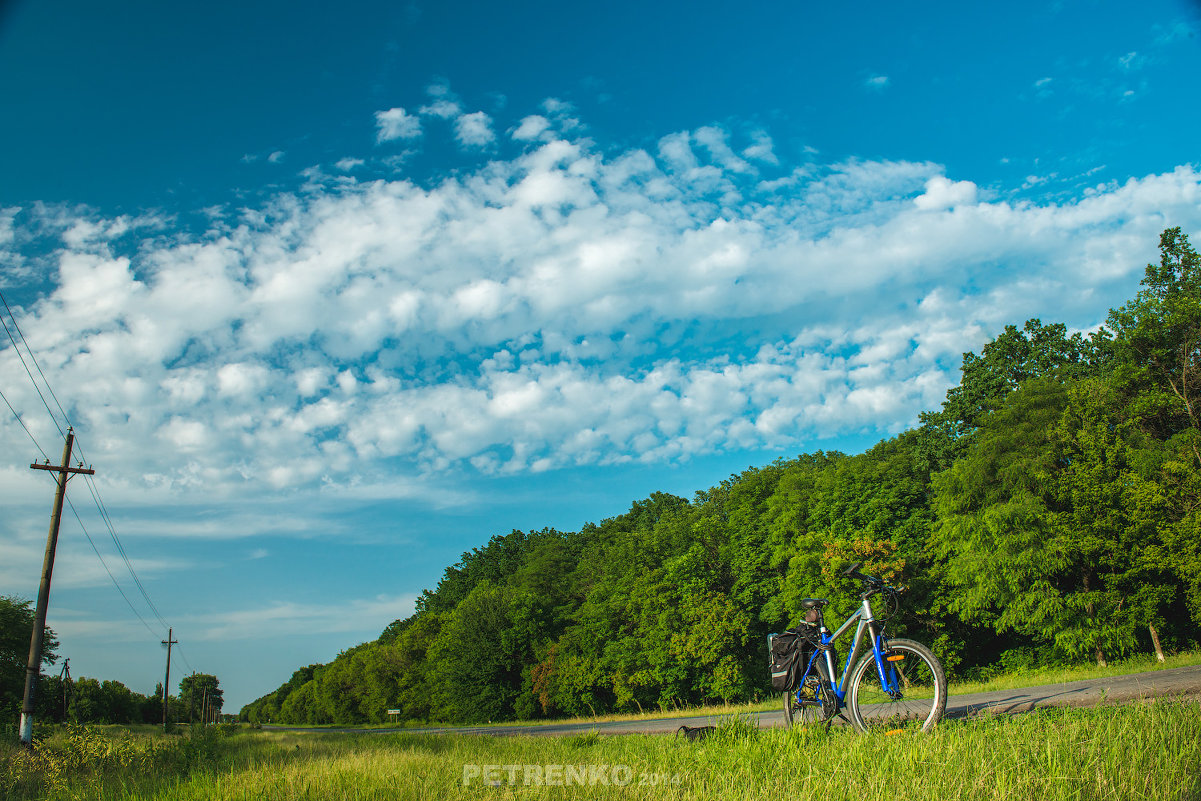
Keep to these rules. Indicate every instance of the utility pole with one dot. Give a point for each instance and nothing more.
(65, 676)
(167, 681)
(34, 665)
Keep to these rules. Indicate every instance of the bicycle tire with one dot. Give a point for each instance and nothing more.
(921, 701)
(801, 714)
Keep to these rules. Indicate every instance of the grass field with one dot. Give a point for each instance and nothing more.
(1146, 750)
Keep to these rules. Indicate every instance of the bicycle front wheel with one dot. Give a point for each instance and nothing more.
(912, 696)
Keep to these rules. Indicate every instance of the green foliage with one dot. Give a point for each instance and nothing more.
(1049, 511)
(94, 701)
(202, 696)
(16, 628)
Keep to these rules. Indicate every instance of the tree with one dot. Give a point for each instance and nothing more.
(1158, 335)
(1157, 347)
(16, 628)
(1049, 528)
(201, 694)
(482, 653)
(1007, 562)
(1004, 364)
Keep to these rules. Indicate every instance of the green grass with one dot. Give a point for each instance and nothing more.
(1135, 751)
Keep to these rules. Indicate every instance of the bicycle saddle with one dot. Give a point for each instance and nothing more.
(814, 603)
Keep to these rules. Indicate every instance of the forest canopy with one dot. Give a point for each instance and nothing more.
(1048, 512)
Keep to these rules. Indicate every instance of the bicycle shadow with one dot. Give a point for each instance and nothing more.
(1011, 705)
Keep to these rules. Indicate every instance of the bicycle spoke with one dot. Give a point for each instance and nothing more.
(919, 697)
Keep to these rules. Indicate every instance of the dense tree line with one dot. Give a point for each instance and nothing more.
(1049, 511)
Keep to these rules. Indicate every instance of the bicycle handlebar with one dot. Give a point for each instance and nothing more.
(853, 572)
(871, 584)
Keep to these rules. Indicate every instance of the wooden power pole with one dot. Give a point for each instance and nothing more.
(167, 681)
(34, 665)
(65, 676)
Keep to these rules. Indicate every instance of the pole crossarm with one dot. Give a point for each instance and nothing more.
(66, 469)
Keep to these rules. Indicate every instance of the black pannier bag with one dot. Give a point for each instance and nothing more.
(783, 652)
(788, 654)
(790, 651)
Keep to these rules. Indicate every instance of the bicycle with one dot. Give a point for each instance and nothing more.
(900, 684)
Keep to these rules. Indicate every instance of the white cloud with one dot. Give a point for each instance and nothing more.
(761, 149)
(558, 306)
(714, 140)
(291, 618)
(474, 130)
(877, 82)
(1132, 61)
(1179, 30)
(442, 108)
(531, 127)
(396, 123)
(942, 193)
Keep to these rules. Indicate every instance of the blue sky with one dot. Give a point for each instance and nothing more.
(335, 293)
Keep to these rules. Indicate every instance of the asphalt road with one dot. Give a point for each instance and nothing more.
(1178, 682)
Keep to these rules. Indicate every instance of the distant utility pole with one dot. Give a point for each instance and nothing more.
(65, 676)
(167, 681)
(34, 666)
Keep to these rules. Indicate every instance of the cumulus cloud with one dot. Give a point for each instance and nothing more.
(443, 108)
(942, 193)
(762, 149)
(558, 306)
(443, 102)
(877, 82)
(531, 127)
(474, 130)
(396, 123)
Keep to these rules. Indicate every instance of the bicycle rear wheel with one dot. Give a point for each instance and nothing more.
(807, 710)
(915, 698)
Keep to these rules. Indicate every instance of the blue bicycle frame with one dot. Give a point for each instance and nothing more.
(866, 625)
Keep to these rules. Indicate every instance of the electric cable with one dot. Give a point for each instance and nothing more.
(29, 373)
(84, 529)
(32, 358)
(27, 431)
(184, 657)
(92, 487)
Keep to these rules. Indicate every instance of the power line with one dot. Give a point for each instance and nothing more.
(92, 487)
(29, 373)
(84, 529)
(121, 548)
(33, 358)
(184, 657)
(27, 431)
